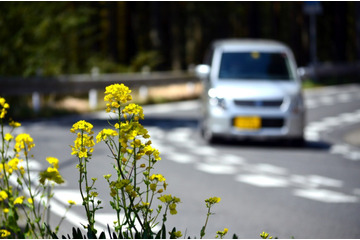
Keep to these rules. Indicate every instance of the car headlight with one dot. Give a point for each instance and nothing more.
(215, 99)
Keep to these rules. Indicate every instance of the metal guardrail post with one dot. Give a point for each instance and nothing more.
(36, 103)
(93, 96)
(93, 102)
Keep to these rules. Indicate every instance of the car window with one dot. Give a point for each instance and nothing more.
(255, 65)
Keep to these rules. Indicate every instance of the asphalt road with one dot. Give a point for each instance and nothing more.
(307, 192)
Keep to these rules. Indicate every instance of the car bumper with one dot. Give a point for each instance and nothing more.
(273, 125)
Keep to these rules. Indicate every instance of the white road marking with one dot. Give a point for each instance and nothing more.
(181, 158)
(216, 168)
(105, 219)
(326, 100)
(324, 195)
(344, 97)
(268, 168)
(325, 181)
(232, 159)
(65, 195)
(33, 165)
(262, 180)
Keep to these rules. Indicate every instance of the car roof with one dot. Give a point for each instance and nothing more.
(250, 44)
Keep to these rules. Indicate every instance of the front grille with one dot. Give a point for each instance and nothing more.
(258, 103)
(272, 122)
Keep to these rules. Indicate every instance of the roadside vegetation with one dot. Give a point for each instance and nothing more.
(137, 190)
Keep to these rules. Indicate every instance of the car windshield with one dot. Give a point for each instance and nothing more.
(255, 65)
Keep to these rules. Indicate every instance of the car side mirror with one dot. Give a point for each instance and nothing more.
(202, 71)
(302, 73)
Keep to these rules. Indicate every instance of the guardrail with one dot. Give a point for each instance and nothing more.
(88, 83)
(82, 83)
(330, 70)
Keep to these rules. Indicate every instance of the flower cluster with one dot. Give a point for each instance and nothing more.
(221, 234)
(105, 134)
(4, 233)
(24, 142)
(52, 172)
(84, 143)
(211, 201)
(171, 202)
(116, 95)
(83, 148)
(83, 126)
(14, 165)
(265, 235)
(133, 111)
(3, 107)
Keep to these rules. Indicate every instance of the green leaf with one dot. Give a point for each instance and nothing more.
(202, 232)
(102, 235)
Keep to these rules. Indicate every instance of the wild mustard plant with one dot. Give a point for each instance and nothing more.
(221, 234)
(134, 186)
(209, 204)
(265, 235)
(16, 186)
(83, 148)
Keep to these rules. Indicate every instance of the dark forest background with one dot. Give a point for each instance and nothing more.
(54, 38)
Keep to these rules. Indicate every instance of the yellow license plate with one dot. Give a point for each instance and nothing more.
(251, 123)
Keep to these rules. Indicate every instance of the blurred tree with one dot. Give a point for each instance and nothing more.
(72, 37)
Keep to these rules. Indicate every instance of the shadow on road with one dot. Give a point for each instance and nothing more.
(168, 123)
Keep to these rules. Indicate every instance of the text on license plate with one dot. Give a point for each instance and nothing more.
(249, 122)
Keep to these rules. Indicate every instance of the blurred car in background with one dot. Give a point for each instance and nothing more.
(251, 90)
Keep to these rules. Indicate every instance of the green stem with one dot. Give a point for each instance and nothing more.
(202, 233)
(32, 195)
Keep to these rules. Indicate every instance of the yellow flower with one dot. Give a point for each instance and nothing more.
(83, 145)
(4, 233)
(105, 134)
(51, 174)
(94, 194)
(71, 202)
(153, 187)
(265, 235)
(13, 165)
(107, 177)
(172, 208)
(24, 141)
(8, 137)
(30, 200)
(152, 151)
(213, 200)
(171, 201)
(6, 210)
(116, 94)
(82, 125)
(158, 177)
(3, 107)
(135, 110)
(14, 124)
(19, 200)
(156, 155)
(177, 234)
(3, 195)
(53, 161)
(221, 234)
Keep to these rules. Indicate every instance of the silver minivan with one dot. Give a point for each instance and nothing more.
(251, 90)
